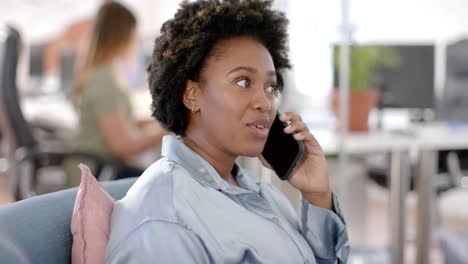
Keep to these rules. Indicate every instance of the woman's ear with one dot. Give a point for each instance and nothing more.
(190, 96)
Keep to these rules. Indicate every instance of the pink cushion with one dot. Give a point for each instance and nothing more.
(90, 220)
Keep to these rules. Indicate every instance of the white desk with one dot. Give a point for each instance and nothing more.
(51, 111)
(380, 142)
(427, 140)
(55, 111)
(361, 143)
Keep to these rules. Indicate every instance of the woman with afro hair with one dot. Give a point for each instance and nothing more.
(215, 78)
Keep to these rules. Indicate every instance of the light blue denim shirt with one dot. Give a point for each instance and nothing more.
(181, 211)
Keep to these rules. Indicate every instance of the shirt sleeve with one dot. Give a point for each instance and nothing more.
(161, 242)
(325, 231)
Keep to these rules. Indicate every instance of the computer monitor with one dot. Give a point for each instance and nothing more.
(67, 70)
(36, 59)
(409, 84)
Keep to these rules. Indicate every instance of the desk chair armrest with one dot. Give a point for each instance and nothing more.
(454, 168)
(26, 162)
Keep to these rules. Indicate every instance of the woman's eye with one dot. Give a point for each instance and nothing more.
(243, 83)
(271, 89)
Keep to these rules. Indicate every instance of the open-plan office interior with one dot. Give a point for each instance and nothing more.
(381, 85)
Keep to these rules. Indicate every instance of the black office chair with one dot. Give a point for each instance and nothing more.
(443, 182)
(453, 106)
(26, 154)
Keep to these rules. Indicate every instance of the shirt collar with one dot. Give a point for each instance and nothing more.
(173, 148)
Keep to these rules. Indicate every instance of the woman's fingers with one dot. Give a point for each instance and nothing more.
(303, 136)
(295, 128)
(290, 117)
(301, 132)
(295, 124)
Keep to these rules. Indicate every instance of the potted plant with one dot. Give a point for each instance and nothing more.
(365, 61)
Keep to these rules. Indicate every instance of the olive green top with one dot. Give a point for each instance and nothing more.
(102, 94)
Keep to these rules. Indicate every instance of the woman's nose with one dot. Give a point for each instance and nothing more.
(261, 100)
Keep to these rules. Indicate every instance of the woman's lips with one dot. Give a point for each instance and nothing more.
(260, 128)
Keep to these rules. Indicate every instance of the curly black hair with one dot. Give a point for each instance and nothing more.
(187, 40)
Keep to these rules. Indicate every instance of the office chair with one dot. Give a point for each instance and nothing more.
(453, 106)
(36, 59)
(27, 155)
(442, 183)
(67, 71)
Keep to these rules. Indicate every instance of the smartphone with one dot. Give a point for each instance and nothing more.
(281, 150)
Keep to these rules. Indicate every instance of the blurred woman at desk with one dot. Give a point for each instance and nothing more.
(107, 126)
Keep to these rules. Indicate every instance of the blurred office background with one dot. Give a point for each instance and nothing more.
(402, 176)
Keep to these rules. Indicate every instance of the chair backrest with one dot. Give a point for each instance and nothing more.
(67, 70)
(454, 104)
(15, 130)
(37, 230)
(36, 59)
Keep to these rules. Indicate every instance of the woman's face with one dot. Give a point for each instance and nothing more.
(237, 97)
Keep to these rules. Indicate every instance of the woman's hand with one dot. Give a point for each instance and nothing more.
(310, 175)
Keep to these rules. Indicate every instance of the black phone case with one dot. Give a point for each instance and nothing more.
(293, 164)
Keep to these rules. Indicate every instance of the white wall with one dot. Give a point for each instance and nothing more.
(415, 20)
(39, 20)
(152, 14)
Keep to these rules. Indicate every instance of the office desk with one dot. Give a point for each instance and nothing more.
(52, 111)
(430, 139)
(56, 112)
(426, 140)
(380, 142)
(361, 143)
